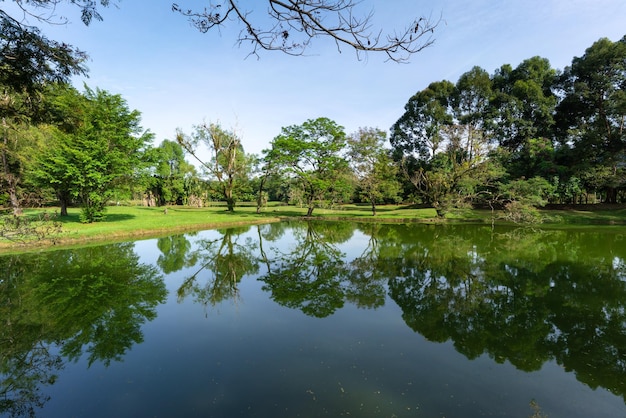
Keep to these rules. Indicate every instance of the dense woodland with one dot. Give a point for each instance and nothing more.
(516, 139)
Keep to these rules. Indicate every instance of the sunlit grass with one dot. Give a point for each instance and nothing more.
(127, 222)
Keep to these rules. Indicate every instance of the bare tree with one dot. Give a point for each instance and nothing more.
(294, 23)
(228, 164)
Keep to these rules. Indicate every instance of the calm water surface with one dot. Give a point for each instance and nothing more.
(320, 319)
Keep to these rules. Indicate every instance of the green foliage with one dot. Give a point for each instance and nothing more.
(29, 60)
(310, 155)
(523, 104)
(532, 192)
(591, 115)
(98, 150)
(224, 262)
(228, 167)
(540, 123)
(169, 174)
(373, 167)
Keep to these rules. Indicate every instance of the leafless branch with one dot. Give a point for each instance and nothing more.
(293, 24)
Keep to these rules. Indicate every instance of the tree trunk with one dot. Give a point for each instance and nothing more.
(611, 195)
(309, 212)
(64, 200)
(373, 208)
(12, 189)
(9, 178)
(230, 203)
(260, 201)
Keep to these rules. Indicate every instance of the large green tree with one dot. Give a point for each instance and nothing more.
(523, 102)
(310, 155)
(28, 62)
(442, 142)
(591, 116)
(97, 153)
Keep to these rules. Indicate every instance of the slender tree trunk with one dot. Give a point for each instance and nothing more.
(12, 189)
(9, 178)
(260, 200)
(373, 207)
(310, 197)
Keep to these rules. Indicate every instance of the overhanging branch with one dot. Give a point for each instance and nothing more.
(292, 25)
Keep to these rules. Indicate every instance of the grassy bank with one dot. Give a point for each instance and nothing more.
(127, 222)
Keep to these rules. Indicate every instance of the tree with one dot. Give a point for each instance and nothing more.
(373, 166)
(11, 161)
(292, 25)
(99, 153)
(228, 164)
(418, 134)
(223, 262)
(52, 167)
(310, 155)
(523, 103)
(442, 143)
(591, 117)
(29, 61)
(170, 170)
(311, 275)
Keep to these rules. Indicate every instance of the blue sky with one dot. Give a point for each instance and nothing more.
(177, 77)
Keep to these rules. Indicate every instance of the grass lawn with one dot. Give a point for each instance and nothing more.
(125, 222)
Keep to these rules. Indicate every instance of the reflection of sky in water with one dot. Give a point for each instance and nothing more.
(250, 356)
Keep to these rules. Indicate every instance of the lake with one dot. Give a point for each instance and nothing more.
(298, 319)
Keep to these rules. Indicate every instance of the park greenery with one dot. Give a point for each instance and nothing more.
(509, 142)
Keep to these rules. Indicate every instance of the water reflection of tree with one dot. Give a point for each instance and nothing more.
(314, 276)
(223, 262)
(525, 298)
(309, 276)
(365, 279)
(59, 305)
(176, 253)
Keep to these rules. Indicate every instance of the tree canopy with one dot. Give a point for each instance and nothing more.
(310, 155)
(228, 165)
(97, 153)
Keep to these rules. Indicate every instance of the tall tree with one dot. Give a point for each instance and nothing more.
(592, 114)
(442, 142)
(373, 166)
(524, 102)
(29, 61)
(310, 154)
(228, 164)
(418, 133)
(51, 168)
(170, 171)
(102, 151)
(292, 25)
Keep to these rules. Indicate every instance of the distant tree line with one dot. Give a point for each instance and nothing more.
(513, 140)
(526, 133)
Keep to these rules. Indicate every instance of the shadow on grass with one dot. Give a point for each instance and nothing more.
(110, 217)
